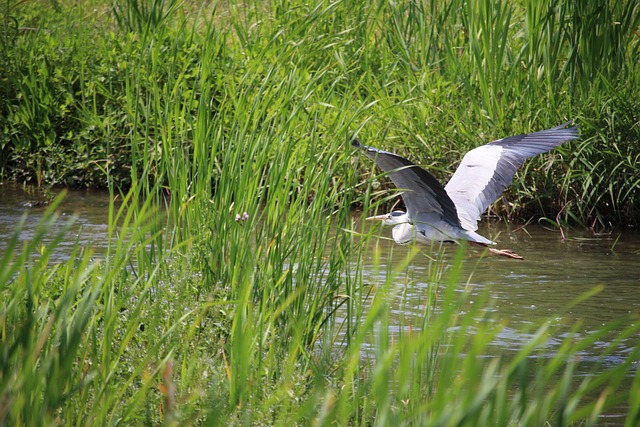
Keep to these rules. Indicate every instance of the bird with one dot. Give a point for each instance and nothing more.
(451, 213)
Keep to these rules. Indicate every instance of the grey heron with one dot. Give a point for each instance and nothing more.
(452, 212)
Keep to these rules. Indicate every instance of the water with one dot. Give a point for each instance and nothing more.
(89, 210)
(555, 271)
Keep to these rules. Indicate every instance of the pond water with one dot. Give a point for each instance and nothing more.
(88, 208)
(555, 271)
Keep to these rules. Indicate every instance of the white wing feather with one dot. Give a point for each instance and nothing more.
(486, 171)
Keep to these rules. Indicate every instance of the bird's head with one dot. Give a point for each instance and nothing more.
(392, 218)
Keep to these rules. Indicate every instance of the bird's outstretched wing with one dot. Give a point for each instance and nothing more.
(422, 193)
(487, 170)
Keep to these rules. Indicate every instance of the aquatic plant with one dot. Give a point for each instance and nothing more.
(194, 317)
(139, 87)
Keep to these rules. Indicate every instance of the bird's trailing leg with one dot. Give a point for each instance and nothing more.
(502, 252)
(505, 252)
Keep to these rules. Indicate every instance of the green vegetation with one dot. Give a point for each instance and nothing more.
(95, 95)
(272, 324)
(193, 114)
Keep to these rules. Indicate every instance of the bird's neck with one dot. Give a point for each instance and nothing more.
(403, 233)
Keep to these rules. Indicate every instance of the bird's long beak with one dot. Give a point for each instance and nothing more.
(377, 218)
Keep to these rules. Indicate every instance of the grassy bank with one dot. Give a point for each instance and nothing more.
(94, 95)
(194, 114)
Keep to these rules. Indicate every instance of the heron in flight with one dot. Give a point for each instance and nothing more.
(451, 213)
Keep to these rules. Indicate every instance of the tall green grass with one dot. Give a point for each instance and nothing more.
(193, 115)
(106, 341)
(437, 79)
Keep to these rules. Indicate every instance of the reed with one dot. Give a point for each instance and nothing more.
(195, 115)
(439, 77)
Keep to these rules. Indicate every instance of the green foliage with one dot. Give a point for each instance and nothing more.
(141, 17)
(125, 92)
(194, 114)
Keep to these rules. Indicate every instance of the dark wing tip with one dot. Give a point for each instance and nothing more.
(356, 143)
(570, 126)
(568, 123)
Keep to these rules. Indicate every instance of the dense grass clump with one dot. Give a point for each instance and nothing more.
(232, 292)
(99, 93)
(143, 337)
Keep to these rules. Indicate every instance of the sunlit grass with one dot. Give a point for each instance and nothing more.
(142, 85)
(199, 313)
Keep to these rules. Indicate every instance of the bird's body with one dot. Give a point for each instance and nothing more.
(451, 213)
(427, 228)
